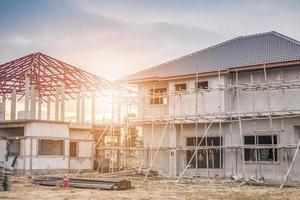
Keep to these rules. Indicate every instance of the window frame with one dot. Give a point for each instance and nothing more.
(50, 155)
(77, 149)
(159, 96)
(18, 145)
(276, 137)
(181, 90)
(201, 81)
(216, 154)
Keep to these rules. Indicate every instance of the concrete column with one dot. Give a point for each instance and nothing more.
(26, 98)
(13, 104)
(33, 102)
(2, 109)
(62, 102)
(56, 104)
(93, 107)
(173, 153)
(118, 151)
(78, 107)
(118, 108)
(40, 108)
(82, 106)
(48, 108)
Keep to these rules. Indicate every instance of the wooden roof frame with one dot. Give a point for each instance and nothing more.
(48, 73)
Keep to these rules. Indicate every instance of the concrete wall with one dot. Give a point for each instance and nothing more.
(84, 138)
(280, 99)
(45, 130)
(172, 165)
(147, 110)
(33, 131)
(210, 102)
(185, 103)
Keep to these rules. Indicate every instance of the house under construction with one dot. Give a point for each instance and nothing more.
(232, 108)
(37, 131)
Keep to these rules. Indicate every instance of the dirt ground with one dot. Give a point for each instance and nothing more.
(153, 189)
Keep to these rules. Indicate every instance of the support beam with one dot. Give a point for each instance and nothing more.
(13, 104)
(33, 102)
(2, 109)
(82, 106)
(118, 107)
(173, 153)
(48, 108)
(26, 98)
(93, 107)
(40, 108)
(62, 102)
(56, 104)
(78, 107)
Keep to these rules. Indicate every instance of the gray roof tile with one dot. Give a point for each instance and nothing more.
(263, 48)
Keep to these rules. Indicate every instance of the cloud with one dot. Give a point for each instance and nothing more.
(115, 38)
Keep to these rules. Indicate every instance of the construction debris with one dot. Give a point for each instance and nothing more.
(237, 177)
(261, 182)
(132, 172)
(5, 174)
(107, 184)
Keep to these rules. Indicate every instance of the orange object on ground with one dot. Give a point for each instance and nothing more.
(66, 182)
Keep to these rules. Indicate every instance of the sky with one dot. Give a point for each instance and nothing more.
(116, 38)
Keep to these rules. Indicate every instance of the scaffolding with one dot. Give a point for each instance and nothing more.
(231, 116)
(52, 81)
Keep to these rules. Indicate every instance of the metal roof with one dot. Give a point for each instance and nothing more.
(48, 73)
(250, 50)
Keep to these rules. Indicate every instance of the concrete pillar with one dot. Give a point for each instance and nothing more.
(78, 107)
(56, 104)
(40, 108)
(48, 108)
(118, 108)
(93, 107)
(13, 104)
(82, 106)
(62, 102)
(2, 109)
(33, 102)
(173, 153)
(118, 151)
(26, 98)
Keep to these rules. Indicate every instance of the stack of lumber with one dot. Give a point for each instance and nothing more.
(107, 183)
(131, 172)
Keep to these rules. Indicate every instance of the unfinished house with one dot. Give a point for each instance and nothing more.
(37, 133)
(232, 108)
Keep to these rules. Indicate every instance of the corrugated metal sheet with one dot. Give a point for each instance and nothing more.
(263, 48)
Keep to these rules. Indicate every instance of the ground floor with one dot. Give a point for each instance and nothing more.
(45, 146)
(258, 148)
(23, 188)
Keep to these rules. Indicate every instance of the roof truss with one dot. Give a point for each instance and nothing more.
(47, 73)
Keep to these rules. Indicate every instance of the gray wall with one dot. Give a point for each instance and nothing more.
(225, 101)
(214, 101)
(287, 131)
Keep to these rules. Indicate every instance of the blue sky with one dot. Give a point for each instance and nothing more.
(115, 38)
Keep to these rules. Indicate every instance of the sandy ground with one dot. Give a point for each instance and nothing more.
(153, 189)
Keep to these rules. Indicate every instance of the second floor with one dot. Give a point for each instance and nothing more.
(260, 90)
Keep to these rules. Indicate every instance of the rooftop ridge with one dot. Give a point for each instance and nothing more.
(212, 47)
(286, 37)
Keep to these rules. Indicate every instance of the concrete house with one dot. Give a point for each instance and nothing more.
(237, 103)
(35, 134)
